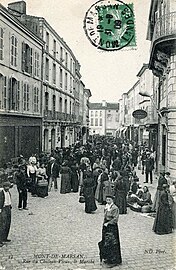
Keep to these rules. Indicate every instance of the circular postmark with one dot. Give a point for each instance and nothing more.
(109, 25)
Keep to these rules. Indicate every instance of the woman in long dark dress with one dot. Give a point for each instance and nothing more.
(110, 251)
(88, 191)
(161, 181)
(65, 178)
(74, 176)
(163, 223)
(120, 195)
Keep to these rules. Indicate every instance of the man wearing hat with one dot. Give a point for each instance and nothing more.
(5, 212)
(149, 167)
(21, 183)
(52, 172)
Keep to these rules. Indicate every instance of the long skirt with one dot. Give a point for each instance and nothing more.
(74, 182)
(173, 208)
(163, 221)
(99, 193)
(42, 191)
(65, 183)
(90, 205)
(156, 201)
(109, 246)
(121, 202)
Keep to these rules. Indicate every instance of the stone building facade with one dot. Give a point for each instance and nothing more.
(20, 88)
(162, 34)
(43, 97)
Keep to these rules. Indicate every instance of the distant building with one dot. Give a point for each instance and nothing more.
(20, 88)
(103, 118)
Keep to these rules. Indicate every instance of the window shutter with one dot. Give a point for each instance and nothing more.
(10, 93)
(5, 93)
(31, 60)
(18, 95)
(28, 97)
(33, 98)
(23, 57)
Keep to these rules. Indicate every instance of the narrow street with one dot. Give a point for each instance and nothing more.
(56, 233)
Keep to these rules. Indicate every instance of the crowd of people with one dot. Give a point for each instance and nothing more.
(102, 172)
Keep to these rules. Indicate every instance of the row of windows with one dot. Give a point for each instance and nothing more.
(96, 113)
(29, 57)
(18, 96)
(94, 122)
(60, 103)
(63, 77)
(62, 56)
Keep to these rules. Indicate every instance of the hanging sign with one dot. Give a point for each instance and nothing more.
(139, 114)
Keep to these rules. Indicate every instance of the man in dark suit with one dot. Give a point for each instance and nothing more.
(149, 167)
(5, 213)
(52, 172)
(21, 182)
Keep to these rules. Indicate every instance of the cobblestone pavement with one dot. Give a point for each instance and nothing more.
(56, 233)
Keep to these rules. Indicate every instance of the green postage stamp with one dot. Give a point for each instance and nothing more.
(110, 25)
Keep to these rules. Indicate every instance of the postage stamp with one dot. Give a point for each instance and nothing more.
(110, 25)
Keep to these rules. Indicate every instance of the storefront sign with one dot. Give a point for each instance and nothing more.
(139, 114)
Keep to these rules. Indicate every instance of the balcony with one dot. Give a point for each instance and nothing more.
(163, 43)
(54, 116)
(165, 27)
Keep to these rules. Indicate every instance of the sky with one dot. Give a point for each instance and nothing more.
(107, 74)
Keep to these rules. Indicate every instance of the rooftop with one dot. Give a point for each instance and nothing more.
(101, 106)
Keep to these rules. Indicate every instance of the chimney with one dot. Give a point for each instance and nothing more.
(17, 8)
(104, 103)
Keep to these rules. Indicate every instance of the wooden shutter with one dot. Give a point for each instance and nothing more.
(18, 95)
(23, 57)
(31, 60)
(10, 93)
